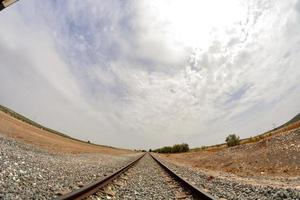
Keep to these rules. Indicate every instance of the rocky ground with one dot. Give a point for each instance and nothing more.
(27, 172)
(225, 187)
(268, 169)
(276, 156)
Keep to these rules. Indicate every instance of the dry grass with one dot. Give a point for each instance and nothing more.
(276, 154)
(25, 132)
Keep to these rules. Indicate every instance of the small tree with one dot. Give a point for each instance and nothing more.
(177, 148)
(203, 147)
(232, 140)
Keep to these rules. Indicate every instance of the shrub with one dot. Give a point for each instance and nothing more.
(180, 148)
(203, 147)
(177, 148)
(252, 139)
(232, 140)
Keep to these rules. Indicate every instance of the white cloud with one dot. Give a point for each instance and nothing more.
(127, 74)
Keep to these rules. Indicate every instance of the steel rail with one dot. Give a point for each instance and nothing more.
(196, 192)
(92, 188)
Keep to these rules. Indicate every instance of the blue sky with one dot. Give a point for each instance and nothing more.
(142, 74)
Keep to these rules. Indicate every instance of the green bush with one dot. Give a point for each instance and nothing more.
(203, 147)
(177, 148)
(232, 140)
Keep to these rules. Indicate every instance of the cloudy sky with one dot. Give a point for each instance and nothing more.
(143, 74)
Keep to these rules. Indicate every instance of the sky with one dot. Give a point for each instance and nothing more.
(145, 74)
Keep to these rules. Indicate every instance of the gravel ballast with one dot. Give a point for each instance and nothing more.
(27, 172)
(146, 180)
(224, 188)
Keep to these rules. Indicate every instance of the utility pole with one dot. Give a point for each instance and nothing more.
(6, 3)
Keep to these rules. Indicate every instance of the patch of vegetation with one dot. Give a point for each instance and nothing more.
(139, 150)
(203, 147)
(290, 125)
(232, 140)
(177, 148)
(200, 148)
(293, 120)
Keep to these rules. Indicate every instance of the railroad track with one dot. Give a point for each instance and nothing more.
(97, 187)
(196, 192)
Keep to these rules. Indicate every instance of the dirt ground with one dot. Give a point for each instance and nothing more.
(276, 156)
(22, 131)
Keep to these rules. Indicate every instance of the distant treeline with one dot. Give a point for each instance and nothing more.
(177, 148)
